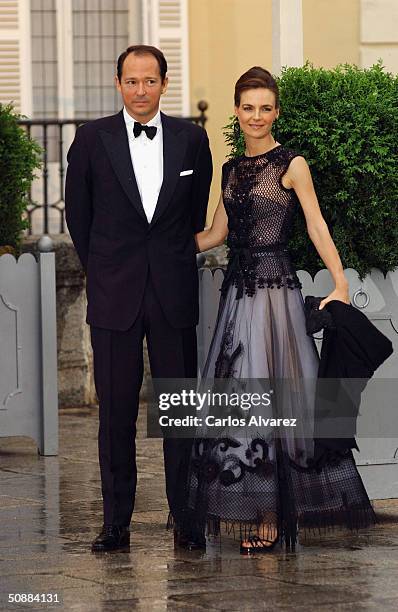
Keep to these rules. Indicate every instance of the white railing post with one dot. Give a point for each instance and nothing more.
(48, 341)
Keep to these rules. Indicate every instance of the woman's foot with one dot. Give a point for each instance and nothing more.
(257, 544)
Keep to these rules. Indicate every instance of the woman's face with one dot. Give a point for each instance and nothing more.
(256, 112)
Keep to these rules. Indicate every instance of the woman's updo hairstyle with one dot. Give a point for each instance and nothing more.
(255, 78)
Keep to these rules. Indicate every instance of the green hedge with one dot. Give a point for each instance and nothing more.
(345, 123)
(19, 156)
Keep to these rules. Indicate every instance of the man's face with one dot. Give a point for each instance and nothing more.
(141, 86)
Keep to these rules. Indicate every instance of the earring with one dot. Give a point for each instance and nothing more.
(237, 131)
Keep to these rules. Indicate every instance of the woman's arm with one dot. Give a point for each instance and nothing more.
(216, 234)
(299, 177)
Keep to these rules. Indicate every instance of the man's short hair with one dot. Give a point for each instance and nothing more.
(143, 50)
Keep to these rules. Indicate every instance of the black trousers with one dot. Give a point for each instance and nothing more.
(118, 373)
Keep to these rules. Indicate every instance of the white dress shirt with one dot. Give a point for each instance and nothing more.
(147, 160)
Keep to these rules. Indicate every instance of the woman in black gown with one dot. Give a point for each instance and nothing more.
(263, 483)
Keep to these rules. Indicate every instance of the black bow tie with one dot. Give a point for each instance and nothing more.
(150, 130)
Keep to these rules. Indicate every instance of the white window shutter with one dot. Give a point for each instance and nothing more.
(15, 68)
(166, 26)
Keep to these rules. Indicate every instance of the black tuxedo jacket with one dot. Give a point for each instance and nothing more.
(116, 245)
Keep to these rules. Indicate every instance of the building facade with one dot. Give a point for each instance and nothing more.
(58, 57)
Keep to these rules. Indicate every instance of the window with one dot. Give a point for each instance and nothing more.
(44, 59)
(100, 34)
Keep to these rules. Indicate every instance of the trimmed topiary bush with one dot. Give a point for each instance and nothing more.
(19, 157)
(345, 123)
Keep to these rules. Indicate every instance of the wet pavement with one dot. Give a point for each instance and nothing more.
(50, 511)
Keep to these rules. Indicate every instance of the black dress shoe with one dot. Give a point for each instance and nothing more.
(188, 541)
(112, 537)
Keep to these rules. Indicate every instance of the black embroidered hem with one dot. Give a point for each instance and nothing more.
(353, 518)
(305, 500)
(350, 519)
(248, 286)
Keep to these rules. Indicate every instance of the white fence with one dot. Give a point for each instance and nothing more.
(28, 348)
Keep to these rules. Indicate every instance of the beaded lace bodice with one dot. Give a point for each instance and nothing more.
(260, 215)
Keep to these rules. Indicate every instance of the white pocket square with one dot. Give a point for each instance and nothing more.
(186, 172)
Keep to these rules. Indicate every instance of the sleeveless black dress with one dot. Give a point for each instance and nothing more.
(249, 476)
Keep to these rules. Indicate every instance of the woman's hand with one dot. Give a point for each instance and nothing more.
(340, 294)
(216, 234)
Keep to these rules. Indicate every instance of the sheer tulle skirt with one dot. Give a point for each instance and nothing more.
(250, 477)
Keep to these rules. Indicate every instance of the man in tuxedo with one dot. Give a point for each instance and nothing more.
(137, 190)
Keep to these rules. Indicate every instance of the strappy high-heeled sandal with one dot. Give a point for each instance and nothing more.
(257, 545)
